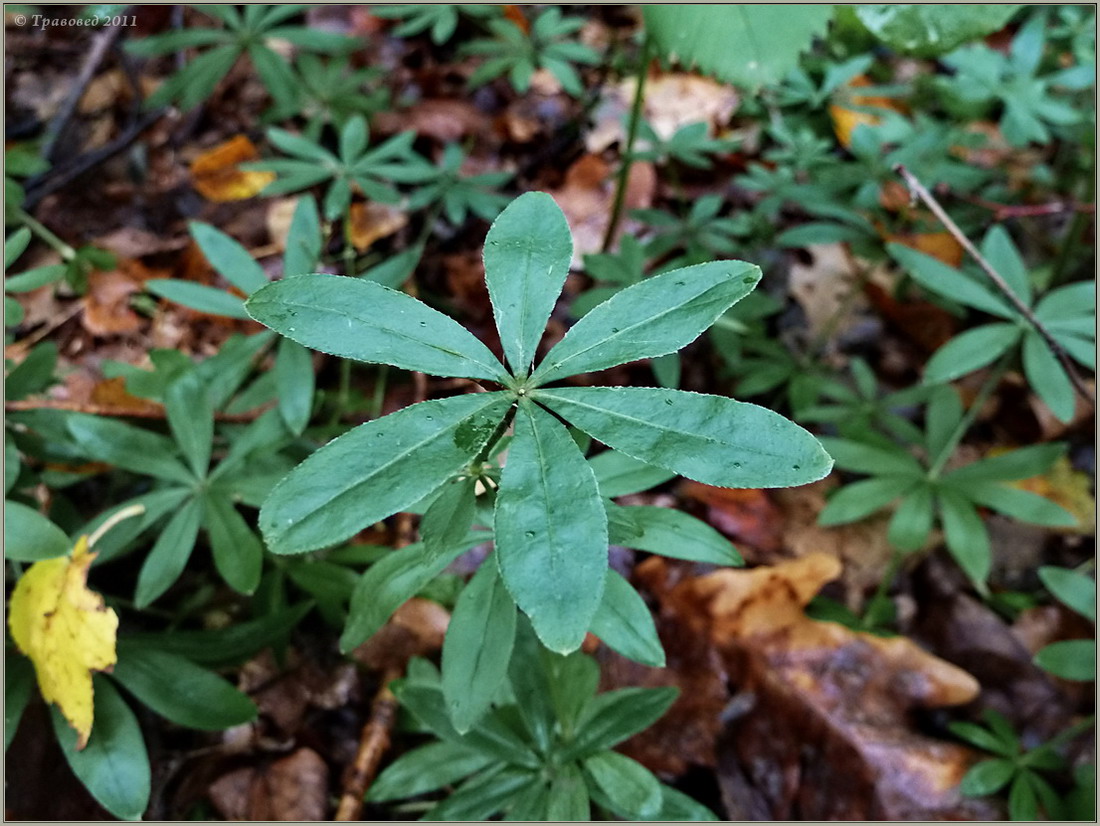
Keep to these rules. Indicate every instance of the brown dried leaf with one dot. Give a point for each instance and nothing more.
(216, 175)
(107, 303)
(292, 788)
(822, 287)
(747, 516)
(447, 120)
(415, 630)
(371, 221)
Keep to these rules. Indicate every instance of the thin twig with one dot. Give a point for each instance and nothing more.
(101, 45)
(917, 188)
(373, 742)
(1002, 212)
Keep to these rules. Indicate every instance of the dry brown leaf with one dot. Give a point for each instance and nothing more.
(216, 175)
(447, 120)
(922, 322)
(939, 245)
(747, 516)
(586, 199)
(822, 287)
(822, 713)
(416, 629)
(107, 303)
(845, 119)
(371, 221)
(1072, 489)
(676, 99)
(292, 788)
(280, 214)
(283, 695)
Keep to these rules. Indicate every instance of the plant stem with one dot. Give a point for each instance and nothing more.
(921, 192)
(884, 583)
(59, 246)
(987, 388)
(628, 154)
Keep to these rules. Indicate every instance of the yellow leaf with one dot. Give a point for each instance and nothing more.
(846, 119)
(1066, 487)
(66, 630)
(217, 176)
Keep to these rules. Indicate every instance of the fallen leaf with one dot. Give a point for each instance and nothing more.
(107, 303)
(1072, 489)
(416, 629)
(939, 245)
(846, 119)
(675, 99)
(925, 324)
(66, 630)
(586, 199)
(747, 516)
(284, 693)
(216, 175)
(369, 222)
(822, 289)
(294, 787)
(447, 120)
(819, 726)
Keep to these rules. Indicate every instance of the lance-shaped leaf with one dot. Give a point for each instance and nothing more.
(363, 320)
(711, 439)
(376, 469)
(625, 624)
(477, 647)
(551, 530)
(649, 319)
(527, 255)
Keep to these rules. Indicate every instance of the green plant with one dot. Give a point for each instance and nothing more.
(248, 32)
(928, 493)
(1026, 772)
(441, 20)
(294, 382)
(1070, 659)
(1030, 107)
(518, 54)
(689, 145)
(330, 93)
(373, 170)
(699, 235)
(550, 521)
(457, 194)
(1068, 313)
(542, 753)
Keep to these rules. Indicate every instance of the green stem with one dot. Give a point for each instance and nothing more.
(628, 154)
(66, 252)
(883, 586)
(379, 394)
(987, 388)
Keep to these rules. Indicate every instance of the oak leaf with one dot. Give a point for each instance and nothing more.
(66, 630)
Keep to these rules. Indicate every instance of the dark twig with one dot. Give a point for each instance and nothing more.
(919, 189)
(60, 176)
(1002, 212)
(101, 45)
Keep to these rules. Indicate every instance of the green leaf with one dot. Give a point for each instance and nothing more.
(114, 765)
(1022, 801)
(1069, 659)
(198, 297)
(447, 520)
(426, 769)
(33, 374)
(865, 458)
(675, 805)
(912, 521)
(1001, 253)
(29, 536)
(477, 647)
(860, 499)
(238, 553)
(941, 418)
(232, 261)
(395, 271)
(18, 686)
(568, 796)
(294, 382)
(652, 318)
(388, 584)
(944, 280)
(530, 803)
(127, 447)
(191, 420)
(711, 439)
(984, 739)
(226, 646)
(1071, 588)
(531, 675)
(966, 536)
(616, 715)
(747, 45)
(931, 30)
(987, 777)
(527, 255)
(620, 475)
(628, 785)
(180, 691)
(623, 622)
(1022, 463)
(551, 530)
(15, 245)
(304, 240)
(968, 351)
(377, 469)
(482, 796)
(1019, 504)
(1048, 378)
(169, 556)
(12, 463)
(362, 320)
(673, 533)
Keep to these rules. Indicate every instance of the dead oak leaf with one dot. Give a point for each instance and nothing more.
(66, 630)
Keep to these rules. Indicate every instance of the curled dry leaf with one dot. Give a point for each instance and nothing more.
(216, 175)
(66, 630)
(821, 724)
